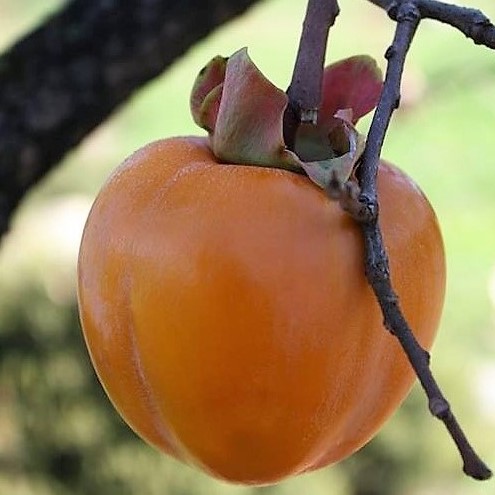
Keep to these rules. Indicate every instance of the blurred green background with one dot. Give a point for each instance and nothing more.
(58, 432)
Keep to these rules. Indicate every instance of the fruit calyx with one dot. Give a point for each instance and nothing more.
(242, 111)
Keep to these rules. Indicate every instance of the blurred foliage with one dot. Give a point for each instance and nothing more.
(59, 433)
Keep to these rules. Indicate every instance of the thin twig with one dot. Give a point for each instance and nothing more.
(472, 22)
(389, 101)
(408, 17)
(304, 91)
(304, 97)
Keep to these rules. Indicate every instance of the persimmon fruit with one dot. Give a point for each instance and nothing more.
(227, 313)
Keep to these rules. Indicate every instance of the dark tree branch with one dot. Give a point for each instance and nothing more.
(408, 16)
(472, 22)
(304, 91)
(65, 78)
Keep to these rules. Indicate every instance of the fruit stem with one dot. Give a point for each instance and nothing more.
(304, 91)
(408, 16)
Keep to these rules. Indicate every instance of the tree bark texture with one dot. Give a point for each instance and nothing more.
(67, 76)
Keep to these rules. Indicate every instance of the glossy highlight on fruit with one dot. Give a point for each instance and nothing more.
(227, 314)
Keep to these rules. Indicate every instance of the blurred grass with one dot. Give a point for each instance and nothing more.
(444, 136)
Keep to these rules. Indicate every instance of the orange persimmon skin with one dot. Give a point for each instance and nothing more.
(228, 317)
